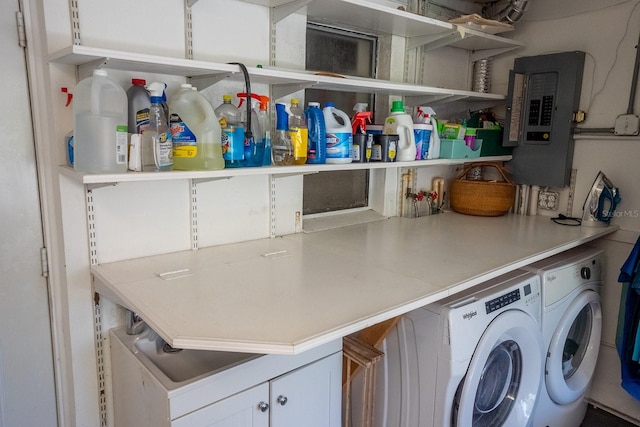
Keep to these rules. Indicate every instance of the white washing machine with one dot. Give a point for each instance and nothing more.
(571, 328)
(472, 359)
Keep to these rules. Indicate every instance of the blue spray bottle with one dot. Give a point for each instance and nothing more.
(281, 146)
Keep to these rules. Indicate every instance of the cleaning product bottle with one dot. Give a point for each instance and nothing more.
(360, 118)
(282, 148)
(195, 131)
(339, 137)
(100, 125)
(359, 128)
(401, 123)
(265, 128)
(157, 147)
(138, 106)
(299, 132)
(232, 133)
(253, 142)
(317, 134)
(434, 141)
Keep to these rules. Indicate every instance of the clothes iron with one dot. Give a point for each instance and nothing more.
(601, 202)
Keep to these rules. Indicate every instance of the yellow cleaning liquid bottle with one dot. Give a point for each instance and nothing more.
(195, 131)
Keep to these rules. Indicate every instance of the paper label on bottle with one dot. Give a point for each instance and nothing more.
(339, 145)
(233, 144)
(163, 150)
(185, 144)
(300, 141)
(122, 144)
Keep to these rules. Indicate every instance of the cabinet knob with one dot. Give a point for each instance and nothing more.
(282, 400)
(263, 406)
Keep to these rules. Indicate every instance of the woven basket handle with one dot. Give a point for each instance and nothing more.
(499, 168)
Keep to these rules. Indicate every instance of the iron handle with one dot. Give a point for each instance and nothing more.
(282, 400)
(263, 406)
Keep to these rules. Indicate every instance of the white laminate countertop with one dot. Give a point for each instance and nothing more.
(289, 294)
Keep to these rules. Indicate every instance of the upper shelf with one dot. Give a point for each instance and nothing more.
(98, 180)
(284, 82)
(380, 19)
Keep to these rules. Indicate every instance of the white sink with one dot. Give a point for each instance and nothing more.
(177, 367)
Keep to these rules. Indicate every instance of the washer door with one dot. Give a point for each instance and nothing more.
(504, 375)
(574, 347)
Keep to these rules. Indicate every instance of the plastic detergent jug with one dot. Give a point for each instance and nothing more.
(100, 125)
(195, 132)
(157, 147)
(401, 123)
(232, 133)
(339, 137)
(138, 106)
(317, 137)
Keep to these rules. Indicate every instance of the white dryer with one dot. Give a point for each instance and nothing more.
(571, 328)
(471, 360)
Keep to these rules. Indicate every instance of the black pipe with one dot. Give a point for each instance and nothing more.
(634, 81)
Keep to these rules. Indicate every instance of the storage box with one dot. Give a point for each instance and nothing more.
(458, 149)
(492, 143)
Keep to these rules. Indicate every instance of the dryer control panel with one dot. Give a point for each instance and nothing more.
(503, 300)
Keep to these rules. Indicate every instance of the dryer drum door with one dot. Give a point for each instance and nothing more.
(504, 374)
(574, 347)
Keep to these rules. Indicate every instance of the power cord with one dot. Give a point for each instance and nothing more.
(567, 220)
(247, 82)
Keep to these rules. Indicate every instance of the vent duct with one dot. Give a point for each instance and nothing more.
(513, 11)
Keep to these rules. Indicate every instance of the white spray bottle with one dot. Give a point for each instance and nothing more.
(434, 140)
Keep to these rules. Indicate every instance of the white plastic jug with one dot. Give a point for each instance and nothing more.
(100, 125)
(339, 137)
(401, 124)
(195, 131)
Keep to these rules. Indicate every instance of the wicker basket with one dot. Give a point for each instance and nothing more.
(482, 198)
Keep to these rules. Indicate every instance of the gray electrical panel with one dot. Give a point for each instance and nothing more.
(544, 94)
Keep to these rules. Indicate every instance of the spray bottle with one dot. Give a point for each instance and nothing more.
(265, 128)
(362, 142)
(253, 143)
(157, 147)
(282, 148)
(429, 116)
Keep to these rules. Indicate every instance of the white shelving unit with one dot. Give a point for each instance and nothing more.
(276, 171)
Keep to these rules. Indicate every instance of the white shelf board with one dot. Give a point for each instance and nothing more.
(108, 179)
(381, 19)
(205, 73)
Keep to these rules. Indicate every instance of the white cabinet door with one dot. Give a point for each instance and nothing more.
(309, 396)
(245, 409)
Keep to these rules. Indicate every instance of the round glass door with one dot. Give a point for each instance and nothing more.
(574, 347)
(504, 375)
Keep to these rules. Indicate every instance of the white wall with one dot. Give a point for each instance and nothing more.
(598, 28)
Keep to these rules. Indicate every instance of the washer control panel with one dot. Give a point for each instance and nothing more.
(504, 300)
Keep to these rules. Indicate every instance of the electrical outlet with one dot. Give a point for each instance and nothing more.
(548, 200)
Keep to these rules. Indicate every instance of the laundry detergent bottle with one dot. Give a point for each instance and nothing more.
(401, 123)
(195, 131)
(100, 125)
(339, 138)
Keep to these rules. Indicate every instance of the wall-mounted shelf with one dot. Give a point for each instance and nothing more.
(284, 82)
(380, 19)
(109, 179)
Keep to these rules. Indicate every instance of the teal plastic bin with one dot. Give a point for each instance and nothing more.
(457, 149)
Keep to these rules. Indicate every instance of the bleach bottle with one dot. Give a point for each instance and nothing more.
(195, 132)
(100, 125)
(317, 135)
(401, 123)
(339, 138)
